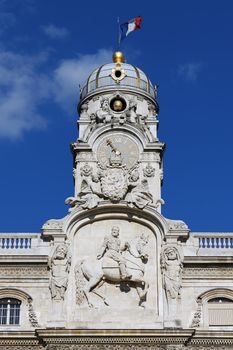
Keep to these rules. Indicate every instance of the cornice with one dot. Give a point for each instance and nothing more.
(114, 332)
(24, 259)
(18, 338)
(109, 90)
(206, 337)
(189, 260)
(124, 336)
(176, 337)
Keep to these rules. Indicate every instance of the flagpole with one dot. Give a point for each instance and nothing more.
(119, 34)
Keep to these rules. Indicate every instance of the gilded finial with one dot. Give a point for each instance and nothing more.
(118, 57)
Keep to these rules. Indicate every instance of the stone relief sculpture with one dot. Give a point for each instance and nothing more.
(152, 111)
(171, 267)
(104, 114)
(140, 121)
(138, 191)
(176, 224)
(53, 224)
(86, 170)
(59, 266)
(149, 171)
(113, 178)
(111, 115)
(131, 115)
(32, 315)
(197, 315)
(90, 194)
(159, 202)
(89, 129)
(83, 113)
(112, 248)
(113, 181)
(115, 262)
(86, 118)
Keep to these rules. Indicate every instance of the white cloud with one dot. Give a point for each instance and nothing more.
(55, 32)
(23, 89)
(190, 71)
(72, 72)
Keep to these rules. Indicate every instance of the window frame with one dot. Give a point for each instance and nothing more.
(12, 311)
(207, 305)
(24, 299)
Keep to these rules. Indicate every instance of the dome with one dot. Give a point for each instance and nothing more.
(117, 76)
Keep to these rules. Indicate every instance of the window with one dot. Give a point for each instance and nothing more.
(9, 311)
(220, 311)
(216, 308)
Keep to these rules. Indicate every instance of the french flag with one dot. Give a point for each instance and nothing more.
(130, 26)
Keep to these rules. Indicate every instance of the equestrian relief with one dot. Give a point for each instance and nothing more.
(115, 262)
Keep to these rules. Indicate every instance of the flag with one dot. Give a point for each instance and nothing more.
(130, 26)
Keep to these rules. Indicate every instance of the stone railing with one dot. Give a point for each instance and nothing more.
(213, 240)
(18, 241)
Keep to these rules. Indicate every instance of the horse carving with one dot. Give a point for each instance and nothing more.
(114, 263)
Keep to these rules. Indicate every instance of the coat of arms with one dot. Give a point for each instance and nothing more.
(114, 183)
(114, 177)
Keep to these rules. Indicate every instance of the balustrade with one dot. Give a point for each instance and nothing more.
(217, 242)
(20, 241)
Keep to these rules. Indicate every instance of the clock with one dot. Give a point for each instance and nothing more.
(122, 144)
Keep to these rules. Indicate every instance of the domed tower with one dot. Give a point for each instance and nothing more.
(114, 250)
(118, 120)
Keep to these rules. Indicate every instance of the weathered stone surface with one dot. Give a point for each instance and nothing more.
(114, 264)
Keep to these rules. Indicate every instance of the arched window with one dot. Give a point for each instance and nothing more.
(215, 310)
(220, 311)
(9, 311)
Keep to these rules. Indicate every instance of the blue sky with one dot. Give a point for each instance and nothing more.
(48, 47)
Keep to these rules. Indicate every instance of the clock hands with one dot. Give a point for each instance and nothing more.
(115, 157)
(114, 149)
(117, 145)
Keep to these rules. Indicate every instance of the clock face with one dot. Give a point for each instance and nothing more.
(125, 145)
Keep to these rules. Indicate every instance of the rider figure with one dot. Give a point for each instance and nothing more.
(111, 248)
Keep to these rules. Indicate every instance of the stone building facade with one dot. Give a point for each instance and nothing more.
(114, 273)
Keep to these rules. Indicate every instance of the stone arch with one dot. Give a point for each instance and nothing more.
(15, 293)
(216, 315)
(28, 316)
(132, 131)
(82, 227)
(79, 218)
(215, 293)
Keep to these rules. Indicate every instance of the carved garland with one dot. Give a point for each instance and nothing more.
(32, 315)
(197, 315)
